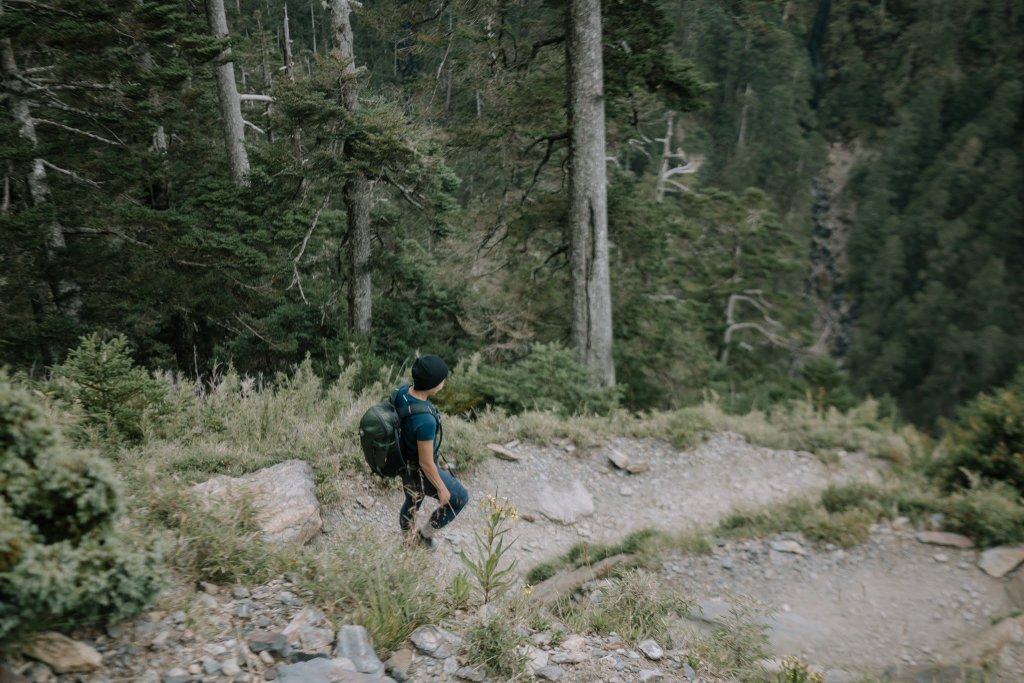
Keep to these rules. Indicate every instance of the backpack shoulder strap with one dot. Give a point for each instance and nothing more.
(406, 408)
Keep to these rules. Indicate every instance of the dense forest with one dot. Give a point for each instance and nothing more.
(801, 196)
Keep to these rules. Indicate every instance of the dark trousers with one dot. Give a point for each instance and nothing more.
(417, 487)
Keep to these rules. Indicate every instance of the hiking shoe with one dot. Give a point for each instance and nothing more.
(425, 542)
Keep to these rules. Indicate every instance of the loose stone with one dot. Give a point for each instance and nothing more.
(651, 649)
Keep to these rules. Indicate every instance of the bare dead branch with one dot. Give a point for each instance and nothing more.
(551, 140)
(255, 98)
(254, 127)
(71, 174)
(296, 280)
(250, 328)
(79, 131)
(402, 189)
(540, 45)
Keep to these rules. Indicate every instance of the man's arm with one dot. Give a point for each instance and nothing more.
(425, 449)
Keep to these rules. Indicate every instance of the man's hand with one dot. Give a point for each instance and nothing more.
(443, 495)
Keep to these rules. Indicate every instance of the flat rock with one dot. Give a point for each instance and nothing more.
(650, 649)
(650, 675)
(62, 654)
(271, 641)
(787, 547)
(354, 644)
(618, 458)
(550, 673)
(569, 657)
(944, 538)
(503, 453)
(323, 670)
(565, 505)
(367, 502)
(999, 562)
(573, 643)
(283, 496)
(469, 673)
(638, 467)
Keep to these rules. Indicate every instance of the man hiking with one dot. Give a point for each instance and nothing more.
(421, 437)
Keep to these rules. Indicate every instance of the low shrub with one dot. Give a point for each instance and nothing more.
(382, 584)
(494, 644)
(840, 498)
(113, 395)
(636, 607)
(987, 440)
(547, 379)
(990, 515)
(63, 559)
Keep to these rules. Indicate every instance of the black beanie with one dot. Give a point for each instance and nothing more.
(428, 372)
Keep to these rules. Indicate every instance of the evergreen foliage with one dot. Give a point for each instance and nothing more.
(987, 440)
(462, 134)
(113, 393)
(62, 562)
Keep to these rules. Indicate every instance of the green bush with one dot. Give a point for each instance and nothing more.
(548, 378)
(988, 439)
(114, 395)
(990, 515)
(61, 560)
(840, 498)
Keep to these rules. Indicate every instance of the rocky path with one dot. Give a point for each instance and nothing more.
(571, 496)
(892, 602)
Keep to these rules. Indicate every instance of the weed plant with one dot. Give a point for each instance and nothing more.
(486, 565)
(382, 584)
(496, 645)
(632, 604)
(737, 646)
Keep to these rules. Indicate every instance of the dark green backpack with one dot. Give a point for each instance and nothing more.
(380, 431)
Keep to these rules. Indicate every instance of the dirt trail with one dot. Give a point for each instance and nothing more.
(889, 601)
(681, 490)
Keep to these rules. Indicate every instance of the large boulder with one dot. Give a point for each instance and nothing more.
(283, 496)
(565, 505)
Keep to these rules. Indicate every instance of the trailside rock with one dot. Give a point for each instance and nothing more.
(619, 459)
(354, 643)
(788, 547)
(323, 670)
(650, 649)
(304, 632)
(398, 664)
(503, 453)
(284, 497)
(944, 538)
(62, 654)
(430, 641)
(999, 562)
(565, 506)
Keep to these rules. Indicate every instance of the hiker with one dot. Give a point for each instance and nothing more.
(421, 437)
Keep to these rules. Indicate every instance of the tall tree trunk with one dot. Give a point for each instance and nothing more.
(59, 293)
(588, 204)
(227, 93)
(357, 188)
